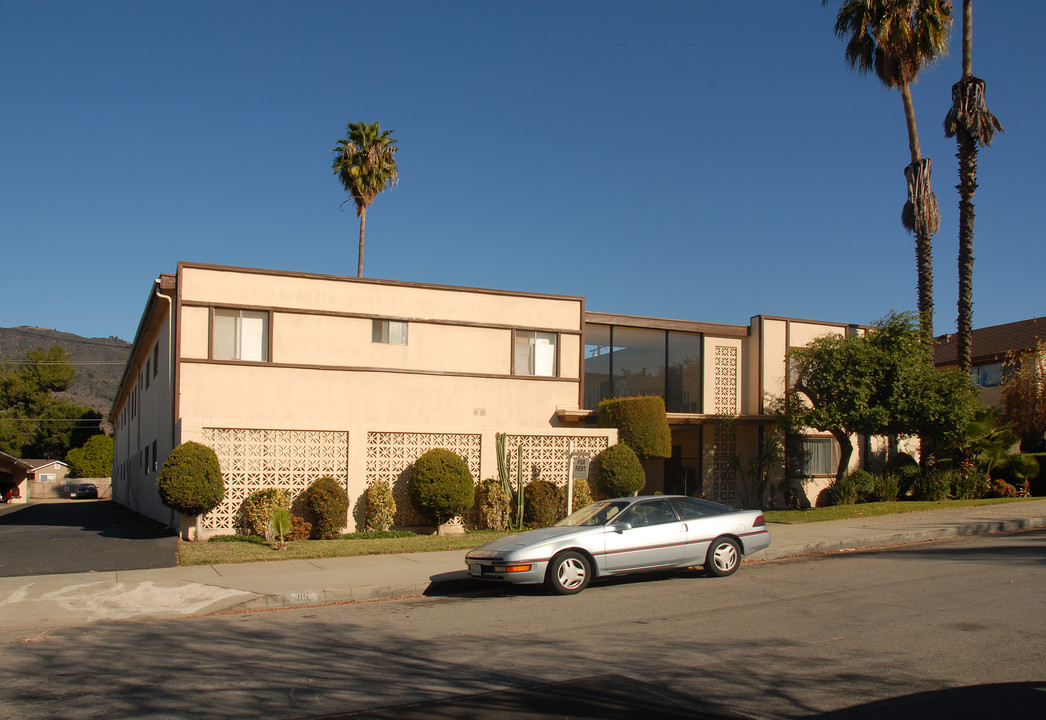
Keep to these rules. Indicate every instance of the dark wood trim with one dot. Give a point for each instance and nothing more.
(635, 321)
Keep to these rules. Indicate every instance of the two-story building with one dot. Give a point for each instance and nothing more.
(292, 376)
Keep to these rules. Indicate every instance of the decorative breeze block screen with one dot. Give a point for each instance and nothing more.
(286, 459)
(390, 455)
(726, 380)
(548, 454)
(720, 489)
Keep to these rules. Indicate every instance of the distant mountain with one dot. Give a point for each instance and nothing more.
(99, 362)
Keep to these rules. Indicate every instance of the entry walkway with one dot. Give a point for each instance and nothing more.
(54, 601)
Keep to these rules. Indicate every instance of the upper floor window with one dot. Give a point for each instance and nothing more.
(535, 353)
(987, 375)
(390, 332)
(240, 335)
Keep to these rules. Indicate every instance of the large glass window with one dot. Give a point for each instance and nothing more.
(683, 393)
(639, 362)
(535, 353)
(597, 365)
(240, 335)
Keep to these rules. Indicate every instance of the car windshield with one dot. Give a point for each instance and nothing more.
(599, 513)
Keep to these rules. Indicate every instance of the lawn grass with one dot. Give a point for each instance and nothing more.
(845, 512)
(216, 553)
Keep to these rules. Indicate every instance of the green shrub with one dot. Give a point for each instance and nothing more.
(441, 486)
(845, 490)
(886, 487)
(1038, 483)
(582, 494)
(327, 504)
(381, 505)
(492, 505)
(641, 423)
(190, 480)
(544, 504)
(904, 467)
(256, 511)
(934, 485)
(971, 485)
(618, 471)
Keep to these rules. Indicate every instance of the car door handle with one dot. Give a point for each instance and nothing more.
(683, 528)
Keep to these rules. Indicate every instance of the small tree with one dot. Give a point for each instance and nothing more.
(327, 504)
(641, 423)
(441, 486)
(190, 481)
(1024, 396)
(93, 460)
(619, 472)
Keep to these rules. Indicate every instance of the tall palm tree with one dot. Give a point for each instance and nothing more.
(896, 39)
(366, 165)
(971, 123)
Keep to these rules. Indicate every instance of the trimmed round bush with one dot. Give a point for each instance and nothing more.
(190, 480)
(619, 472)
(257, 510)
(441, 486)
(492, 505)
(544, 504)
(381, 505)
(327, 504)
(641, 423)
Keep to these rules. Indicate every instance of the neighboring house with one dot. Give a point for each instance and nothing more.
(13, 475)
(990, 346)
(292, 376)
(47, 471)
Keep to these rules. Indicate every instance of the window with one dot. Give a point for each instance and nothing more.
(817, 456)
(148, 373)
(988, 375)
(240, 335)
(535, 353)
(390, 332)
(154, 456)
(156, 358)
(146, 463)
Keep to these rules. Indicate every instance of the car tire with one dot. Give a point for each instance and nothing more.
(723, 558)
(568, 573)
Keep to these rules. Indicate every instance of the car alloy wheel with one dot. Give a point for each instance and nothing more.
(724, 557)
(568, 573)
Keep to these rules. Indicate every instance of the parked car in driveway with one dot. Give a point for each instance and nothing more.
(84, 490)
(621, 536)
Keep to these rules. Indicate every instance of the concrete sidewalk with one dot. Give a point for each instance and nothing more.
(44, 602)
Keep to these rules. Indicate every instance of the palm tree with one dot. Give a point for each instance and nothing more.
(366, 165)
(971, 123)
(896, 39)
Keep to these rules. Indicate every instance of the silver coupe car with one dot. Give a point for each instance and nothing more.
(624, 535)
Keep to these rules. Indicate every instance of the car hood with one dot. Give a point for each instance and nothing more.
(518, 541)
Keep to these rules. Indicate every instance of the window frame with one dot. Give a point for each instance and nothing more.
(255, 313)
(534, 336)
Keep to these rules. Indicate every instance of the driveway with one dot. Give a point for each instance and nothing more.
(76, 536)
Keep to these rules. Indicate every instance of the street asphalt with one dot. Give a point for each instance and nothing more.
(43, 602)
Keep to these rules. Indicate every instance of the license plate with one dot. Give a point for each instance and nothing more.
(475, 569)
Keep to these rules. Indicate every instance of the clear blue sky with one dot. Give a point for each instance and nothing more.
(699, 160)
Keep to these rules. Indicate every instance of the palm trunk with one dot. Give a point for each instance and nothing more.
(921, 217)
(967, 187)
(363, 224)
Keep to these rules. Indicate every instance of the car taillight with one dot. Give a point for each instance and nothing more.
(759, 522)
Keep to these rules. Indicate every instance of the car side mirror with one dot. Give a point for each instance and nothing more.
(621, 527)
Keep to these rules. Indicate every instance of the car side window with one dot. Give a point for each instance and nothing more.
(653, 512)
(690, 508)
